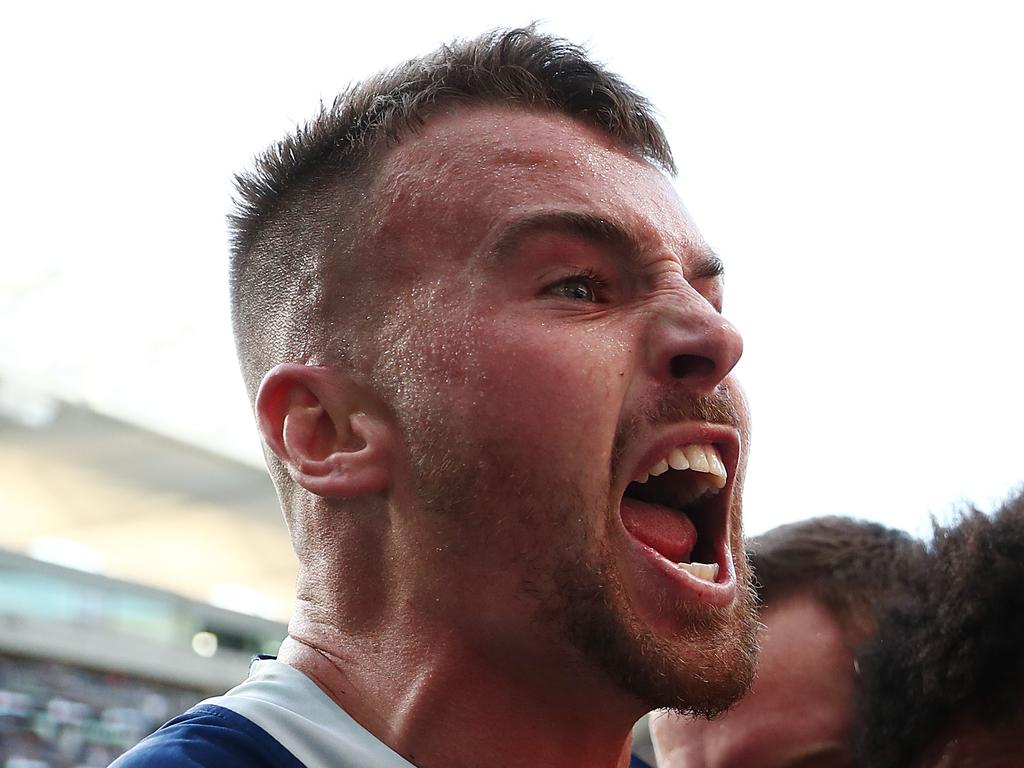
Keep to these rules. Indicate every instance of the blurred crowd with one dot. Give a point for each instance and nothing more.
(54, 715)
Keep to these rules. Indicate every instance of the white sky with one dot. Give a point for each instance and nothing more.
(859, 166)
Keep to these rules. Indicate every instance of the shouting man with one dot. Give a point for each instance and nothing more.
(485, 347)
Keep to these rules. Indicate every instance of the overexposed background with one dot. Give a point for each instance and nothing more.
(859, 166)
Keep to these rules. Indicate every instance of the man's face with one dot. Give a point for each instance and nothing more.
(799, 710)
(552, 332)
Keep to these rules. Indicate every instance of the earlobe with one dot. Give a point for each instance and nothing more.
(321, 425)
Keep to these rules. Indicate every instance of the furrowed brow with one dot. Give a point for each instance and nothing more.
(702, 264)
(596, 229)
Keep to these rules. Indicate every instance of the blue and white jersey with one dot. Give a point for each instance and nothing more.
(277, 718)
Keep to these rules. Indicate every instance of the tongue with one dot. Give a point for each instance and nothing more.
(671, 533)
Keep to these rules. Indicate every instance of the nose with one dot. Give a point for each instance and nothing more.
(690, 343)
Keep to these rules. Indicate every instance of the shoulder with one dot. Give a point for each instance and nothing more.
(208, 736)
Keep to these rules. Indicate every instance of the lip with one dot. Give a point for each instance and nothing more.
(726, 440)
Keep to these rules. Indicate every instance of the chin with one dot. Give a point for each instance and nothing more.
(701, 669)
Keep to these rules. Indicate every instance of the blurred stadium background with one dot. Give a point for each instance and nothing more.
(858, 167)
(90, 662)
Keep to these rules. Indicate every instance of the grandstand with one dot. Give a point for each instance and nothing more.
(93, 657)
(89, 665)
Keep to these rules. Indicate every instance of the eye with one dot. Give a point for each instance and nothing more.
(585, 286)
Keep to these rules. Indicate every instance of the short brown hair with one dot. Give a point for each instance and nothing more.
(299, 208)
(848, 565)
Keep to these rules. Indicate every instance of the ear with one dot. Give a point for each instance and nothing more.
(330, 433)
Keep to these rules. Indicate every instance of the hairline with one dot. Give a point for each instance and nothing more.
(367, 164)
(842, 583)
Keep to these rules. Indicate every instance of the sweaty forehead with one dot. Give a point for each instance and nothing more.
(466, 169)
(512, 136)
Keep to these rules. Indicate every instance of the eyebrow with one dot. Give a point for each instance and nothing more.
(702, 262)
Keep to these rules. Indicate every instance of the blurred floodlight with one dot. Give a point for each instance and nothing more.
(205, 644)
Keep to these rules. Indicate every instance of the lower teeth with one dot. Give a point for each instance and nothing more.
(705, 571)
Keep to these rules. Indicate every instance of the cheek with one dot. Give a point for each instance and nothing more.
(533, 391)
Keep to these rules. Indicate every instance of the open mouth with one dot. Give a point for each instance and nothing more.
(676, 508)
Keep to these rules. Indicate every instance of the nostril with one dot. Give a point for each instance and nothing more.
(690, 366)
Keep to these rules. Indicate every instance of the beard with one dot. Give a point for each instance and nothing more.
(709, 664)
(484, 493)
(706, 667)
(569, 576)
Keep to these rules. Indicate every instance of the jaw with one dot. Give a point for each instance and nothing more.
(663, 635)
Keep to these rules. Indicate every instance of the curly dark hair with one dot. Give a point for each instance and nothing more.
(954, 647)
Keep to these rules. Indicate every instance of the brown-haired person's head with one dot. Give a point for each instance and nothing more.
(820, 583)
(312, 206)
(478, 327)
(943, 682)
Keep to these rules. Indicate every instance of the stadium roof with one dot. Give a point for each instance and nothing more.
(89, 491)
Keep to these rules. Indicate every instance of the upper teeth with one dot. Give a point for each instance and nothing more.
(698, 458)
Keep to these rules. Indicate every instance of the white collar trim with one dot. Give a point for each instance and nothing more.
(290, 707)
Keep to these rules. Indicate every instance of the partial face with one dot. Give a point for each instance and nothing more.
(553, 334)
(799, 710)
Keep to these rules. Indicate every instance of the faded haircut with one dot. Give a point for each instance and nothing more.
(954, 648)
(298, 210)
(850, 566)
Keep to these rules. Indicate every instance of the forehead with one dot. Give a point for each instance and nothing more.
(469, 170)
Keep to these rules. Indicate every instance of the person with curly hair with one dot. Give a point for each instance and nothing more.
(942, 684)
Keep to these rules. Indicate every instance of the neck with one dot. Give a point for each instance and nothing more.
(439, 704)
